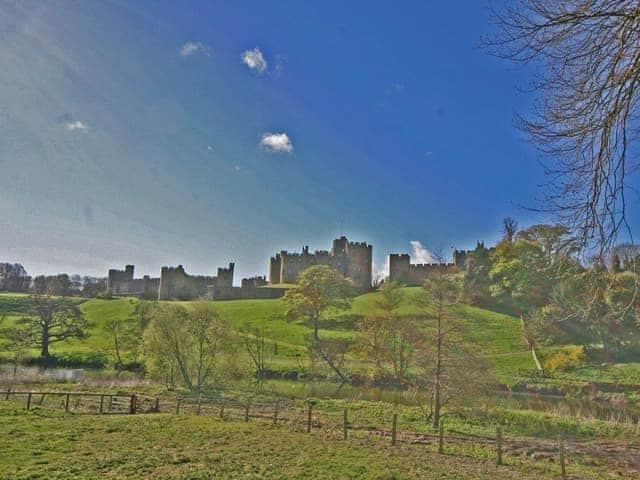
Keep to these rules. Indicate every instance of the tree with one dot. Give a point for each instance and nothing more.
(476, 288)
(211, 334)
(143, 309)
(124, 336)
(452, 369)
(53, 320)
(509, 228)
(585, 55)
(318, 288)
(190, 343)
(255, 342)
(387, 338)
(17, 340)
(596, 306)
(14, 277)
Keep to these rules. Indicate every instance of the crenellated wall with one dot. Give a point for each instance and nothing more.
(401, 269)
(176, 284)
(122, 282)
(352, 259)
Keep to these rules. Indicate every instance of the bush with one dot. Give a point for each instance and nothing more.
(569, 357)
(105, 295)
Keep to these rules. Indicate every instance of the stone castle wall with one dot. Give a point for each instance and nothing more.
(122, 282)
(176, 284)
(354, 260)
(401, 270)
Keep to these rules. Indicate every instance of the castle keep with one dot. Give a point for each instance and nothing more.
(352, 259)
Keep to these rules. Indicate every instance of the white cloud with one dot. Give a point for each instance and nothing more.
(77, 125)
(420, 253)
(381, 271)
(194, 48)
(255, 60)
(276, 142)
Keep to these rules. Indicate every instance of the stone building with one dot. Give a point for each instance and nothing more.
(122, 282)
(176, 284)
(401, 269)
(352, 259)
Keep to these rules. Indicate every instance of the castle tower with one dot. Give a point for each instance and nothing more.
(399, 265)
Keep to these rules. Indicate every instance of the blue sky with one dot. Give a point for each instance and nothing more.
(139, 132)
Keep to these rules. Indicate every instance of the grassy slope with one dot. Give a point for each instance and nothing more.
(56, 445)
(497, 336)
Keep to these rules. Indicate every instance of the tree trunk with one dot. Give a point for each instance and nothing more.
(437, 400)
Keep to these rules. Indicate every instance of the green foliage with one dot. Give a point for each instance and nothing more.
(50, 320)
(319, 288)
(569, 357)
(188, 344)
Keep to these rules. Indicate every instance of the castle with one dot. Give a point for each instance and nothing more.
(352, 259)
(175, 283)
(401, 270)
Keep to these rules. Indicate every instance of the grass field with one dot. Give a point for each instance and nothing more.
(50, 444)
(44, 444)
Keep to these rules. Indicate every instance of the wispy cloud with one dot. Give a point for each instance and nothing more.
(77, 125)
(194, 48)
(420, 253)
(276, 142)
(254, 59)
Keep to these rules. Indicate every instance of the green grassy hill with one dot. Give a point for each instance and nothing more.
(497, 337)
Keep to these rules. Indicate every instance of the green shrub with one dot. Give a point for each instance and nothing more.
(567, 358)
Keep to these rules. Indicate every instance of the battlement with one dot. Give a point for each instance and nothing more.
(352, 259)
(176, 284)
(401, 269)
(122, 282)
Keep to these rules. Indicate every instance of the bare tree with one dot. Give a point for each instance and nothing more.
(587, 59)
(509, 228)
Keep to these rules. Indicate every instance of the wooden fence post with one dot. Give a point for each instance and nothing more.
(394, 429)
(110, 403)
(178, 401)
(132, 406)
(498, 445)
(222, 410)
(199, 404)
(275, 414)
(563, 467)
(28, 400)
(309, 418)
(157, 407)
(101, 402)
(66, 403)
(246, 412)
(441, 437)
(42, 398)
(9, 393)
(345, 425)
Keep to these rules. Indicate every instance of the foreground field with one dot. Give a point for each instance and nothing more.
(39, 444)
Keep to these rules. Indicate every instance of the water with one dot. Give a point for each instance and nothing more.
(43, 373)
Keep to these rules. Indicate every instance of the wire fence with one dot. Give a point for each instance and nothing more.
(333, 422)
